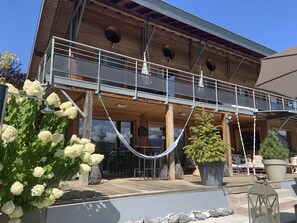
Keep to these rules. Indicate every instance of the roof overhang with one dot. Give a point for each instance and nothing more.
(52, 19)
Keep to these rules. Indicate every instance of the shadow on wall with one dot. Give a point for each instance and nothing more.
(89, 212)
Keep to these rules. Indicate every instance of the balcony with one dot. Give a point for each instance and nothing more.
(74, 64)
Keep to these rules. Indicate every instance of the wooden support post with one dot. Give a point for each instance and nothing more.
(170, 140)
(226, 138)
(87, 128)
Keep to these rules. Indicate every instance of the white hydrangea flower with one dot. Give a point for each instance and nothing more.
(48, 201)
(27, 85)
(84, 168)
(14, 90)
(56, 138)
(84, 141)
(17, 213)
(34, 89)
(4, 126)
(66, 105)
(95, 159)
(57, 193)
(9, 134)
(59, 153)
(85, 157)
(17, 188)
(37, 190)
(59, 113)
(74, 138)
(73, 151)
(89, 147)
(15, 220)
(71, 113)
(1, 166)
(54, 100)
(45, 136)
(50, 175)
(8, 207)
(38, 171)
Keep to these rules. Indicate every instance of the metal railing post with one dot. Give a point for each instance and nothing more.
(254, 100)
(167, 87)
(193, 85)
(283, 103)
(98, 72)
(269, 101)
(136, 80)
(44, 64)
(217, 96)
(39, 74)
(236, 99)
(52, 61)
(69, 60)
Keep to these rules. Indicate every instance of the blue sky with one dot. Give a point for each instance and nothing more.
(271, 23)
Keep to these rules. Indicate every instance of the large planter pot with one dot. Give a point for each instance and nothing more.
(275, 169)
(39, 216)
(211, 173)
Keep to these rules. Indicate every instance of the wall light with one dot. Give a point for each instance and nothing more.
(121, 105)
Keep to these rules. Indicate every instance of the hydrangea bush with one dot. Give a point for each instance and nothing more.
(34, 157)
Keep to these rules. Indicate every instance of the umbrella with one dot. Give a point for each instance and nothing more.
(279, 73)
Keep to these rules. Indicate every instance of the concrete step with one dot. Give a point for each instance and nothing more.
(241, 198)
(238, 189)
(284, 204)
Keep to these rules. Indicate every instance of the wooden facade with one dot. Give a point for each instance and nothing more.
(140, 27)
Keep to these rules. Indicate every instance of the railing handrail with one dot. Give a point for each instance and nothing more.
(252, 91)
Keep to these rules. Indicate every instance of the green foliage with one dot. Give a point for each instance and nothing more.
(33, 152)
(272, 148)
(206, 142)
(10, 69)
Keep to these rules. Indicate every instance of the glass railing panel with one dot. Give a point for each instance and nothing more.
(116, 77)
(226, 98)
(184, 89)
(72, 66)
(262, 104)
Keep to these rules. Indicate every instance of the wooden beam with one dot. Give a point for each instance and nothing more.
(226, 138)
(87, 128)
(170, 140)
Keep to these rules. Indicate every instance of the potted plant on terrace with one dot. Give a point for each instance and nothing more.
(274, 157)
(207, 149)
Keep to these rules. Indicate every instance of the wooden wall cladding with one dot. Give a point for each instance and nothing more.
(97, 18)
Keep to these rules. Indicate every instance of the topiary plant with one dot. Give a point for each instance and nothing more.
(272, 148)
(206, 142)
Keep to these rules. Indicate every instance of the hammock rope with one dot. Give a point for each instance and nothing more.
(131, 149)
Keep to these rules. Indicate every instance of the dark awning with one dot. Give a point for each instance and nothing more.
(275, 114)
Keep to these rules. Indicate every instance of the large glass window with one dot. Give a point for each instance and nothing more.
(117, 157)
(285, 138)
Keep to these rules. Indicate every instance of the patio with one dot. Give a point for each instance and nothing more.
(127, 187)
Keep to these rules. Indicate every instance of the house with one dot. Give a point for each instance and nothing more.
(151, 63)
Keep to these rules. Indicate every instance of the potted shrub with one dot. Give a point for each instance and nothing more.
(207, 149)
(274, 157)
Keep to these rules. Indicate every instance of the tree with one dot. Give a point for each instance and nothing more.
(10, 70)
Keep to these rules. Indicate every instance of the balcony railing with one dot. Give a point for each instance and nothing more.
(75, 64)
